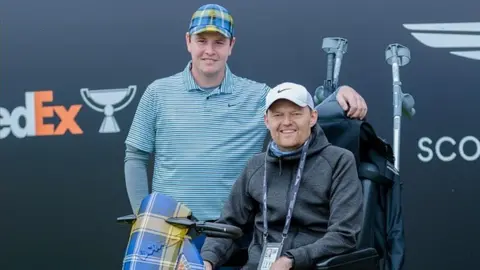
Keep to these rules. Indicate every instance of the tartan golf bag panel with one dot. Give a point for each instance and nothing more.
(156, 244)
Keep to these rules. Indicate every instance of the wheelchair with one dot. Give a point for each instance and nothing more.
(381, 240)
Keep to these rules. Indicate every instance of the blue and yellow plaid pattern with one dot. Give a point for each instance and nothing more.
(155, 244)
(212, 17)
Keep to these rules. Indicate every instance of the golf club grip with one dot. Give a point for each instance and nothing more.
(336, 69)
(210, 227)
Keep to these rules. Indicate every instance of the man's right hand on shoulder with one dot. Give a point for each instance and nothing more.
(208, 265)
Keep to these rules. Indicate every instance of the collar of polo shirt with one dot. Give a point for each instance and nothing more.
(226, 86)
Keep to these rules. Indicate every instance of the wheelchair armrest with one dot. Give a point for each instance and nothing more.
(364, 259)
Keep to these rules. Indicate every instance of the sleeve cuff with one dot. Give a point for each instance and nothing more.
(300, 259)
(210, 257)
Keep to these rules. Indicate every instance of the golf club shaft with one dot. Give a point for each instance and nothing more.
(396, 141)
(338, 64)
(330, 67)
(397, 109)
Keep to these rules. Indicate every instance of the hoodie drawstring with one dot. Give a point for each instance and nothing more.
(280, 164)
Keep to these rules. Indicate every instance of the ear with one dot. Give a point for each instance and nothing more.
(265, 120)
(188, 41)
(313, 117)
(232, 43)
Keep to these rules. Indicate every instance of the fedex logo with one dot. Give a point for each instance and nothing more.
(35, 112)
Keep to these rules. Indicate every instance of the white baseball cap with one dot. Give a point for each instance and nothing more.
(293, 92)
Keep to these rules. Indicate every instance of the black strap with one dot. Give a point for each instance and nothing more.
(293, 199)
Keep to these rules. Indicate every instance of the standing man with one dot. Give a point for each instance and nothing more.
(203, 123)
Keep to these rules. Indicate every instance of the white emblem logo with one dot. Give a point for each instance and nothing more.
(446, 35)
(104, 101)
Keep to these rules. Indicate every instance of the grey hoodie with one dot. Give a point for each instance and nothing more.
(328, 212)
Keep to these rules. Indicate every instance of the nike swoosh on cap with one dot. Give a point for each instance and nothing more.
(284, 89)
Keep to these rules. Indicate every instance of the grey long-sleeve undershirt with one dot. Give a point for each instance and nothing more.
(136, 162)
(136, 177)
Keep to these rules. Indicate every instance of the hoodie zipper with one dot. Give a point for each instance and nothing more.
(280, 164)
(290, 187)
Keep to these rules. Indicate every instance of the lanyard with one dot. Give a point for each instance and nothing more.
(293, 199)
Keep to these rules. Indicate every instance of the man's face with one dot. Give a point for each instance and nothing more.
(210, 52)
(289, 124)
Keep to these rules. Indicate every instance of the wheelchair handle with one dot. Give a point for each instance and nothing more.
(209, 228)
(218, 229)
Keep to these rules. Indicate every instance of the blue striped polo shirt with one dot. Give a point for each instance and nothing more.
(201, 139)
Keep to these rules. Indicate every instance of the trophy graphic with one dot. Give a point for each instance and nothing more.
(108, 101)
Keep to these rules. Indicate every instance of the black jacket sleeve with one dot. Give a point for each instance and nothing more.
(345, 216)
(238, 211)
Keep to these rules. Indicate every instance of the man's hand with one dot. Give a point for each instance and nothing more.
(282, 263)
(352, 102)
(208, 265)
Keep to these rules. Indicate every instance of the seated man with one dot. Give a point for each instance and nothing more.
(309, 187)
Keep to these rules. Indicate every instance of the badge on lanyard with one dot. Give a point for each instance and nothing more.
(270, 253)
